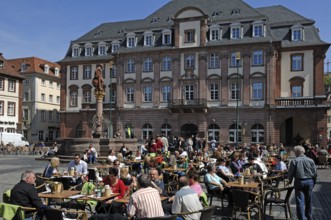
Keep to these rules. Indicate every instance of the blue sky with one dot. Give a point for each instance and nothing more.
(44, 28)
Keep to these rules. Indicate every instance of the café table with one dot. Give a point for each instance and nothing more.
(250, 185)
(107, 166)
(171, 169)
(57, 195)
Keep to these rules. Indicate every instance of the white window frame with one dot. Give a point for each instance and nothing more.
(102, 49)
(148, 65)
(56, 71)
(50, 98)
(258, 30)
(233, 60)
(148, 39)
(257, 91)
(42, 97)
(235, 91)
(11, 108)
(236, 32)
(215, 33)
(88, 49)
(131, 40)
(296, 62)
(214, 61)
(75, 50)
(46, 68)
(166, 63)
(166, 92)
(190, 61)
(257, 58)
(296, 91)
(73, 98)
(2, 107)
(87, 72)
(297, 34)
(130, 66)
(58, 99)
(129, 94)
(74, 73)
(166, 37)
(115, 46)
(259, 134)
(214, 91)
(2, 84)
(11, 85)
(189, 92)
(148, 95)
(87, 96)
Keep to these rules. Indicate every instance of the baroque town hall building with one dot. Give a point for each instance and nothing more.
(212, 68)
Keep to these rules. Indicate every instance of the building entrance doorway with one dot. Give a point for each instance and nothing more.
(187, 130)
(294, 131)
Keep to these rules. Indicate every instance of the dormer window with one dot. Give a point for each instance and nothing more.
(1, 64)
(297, 33)
(88, 49)
(258, 29)
(236, 31)
(214, 33)
(148, 39)
(131, 40)
(166, 37)
(46, 68)
(190, 36)
(56, 71)
(115, 46)
(102, 48)
(23, 67)
(75, 50)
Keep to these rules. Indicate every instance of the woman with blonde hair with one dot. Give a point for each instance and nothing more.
(125, 176)
(52, 167)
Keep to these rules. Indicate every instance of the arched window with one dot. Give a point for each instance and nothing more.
(234, 132)
(213, 132)
(257, 134)
(147, 131)
(166, 130)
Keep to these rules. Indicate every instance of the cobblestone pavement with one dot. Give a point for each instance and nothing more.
(12, 166)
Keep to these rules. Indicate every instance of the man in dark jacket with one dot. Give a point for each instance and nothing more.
(25, 194)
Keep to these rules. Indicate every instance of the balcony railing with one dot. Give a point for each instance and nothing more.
(193, 103)
(301, 101)
(93, 106)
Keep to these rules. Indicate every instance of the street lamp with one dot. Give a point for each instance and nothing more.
(238, 95)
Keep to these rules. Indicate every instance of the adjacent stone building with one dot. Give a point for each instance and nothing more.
(217, 69)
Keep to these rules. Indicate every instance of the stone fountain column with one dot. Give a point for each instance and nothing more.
(99, 93)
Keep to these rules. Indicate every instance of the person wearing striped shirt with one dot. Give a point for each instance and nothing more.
(146, 201)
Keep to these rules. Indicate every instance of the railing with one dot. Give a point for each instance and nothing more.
(187, 103)
(93, 106)
(300, 101)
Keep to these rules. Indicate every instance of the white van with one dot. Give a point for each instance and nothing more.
(14, 138)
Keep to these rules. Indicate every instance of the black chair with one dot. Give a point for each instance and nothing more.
(170, 182)
(207, 213)
(246, 202)
(212, 193)
(276, 197)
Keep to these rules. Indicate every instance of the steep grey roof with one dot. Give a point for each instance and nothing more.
(278, 20)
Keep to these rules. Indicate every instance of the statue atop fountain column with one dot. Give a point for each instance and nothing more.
(98, 83)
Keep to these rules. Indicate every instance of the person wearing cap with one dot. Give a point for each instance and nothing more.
(253, 166)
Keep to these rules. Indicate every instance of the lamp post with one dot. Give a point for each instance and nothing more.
(238, 95)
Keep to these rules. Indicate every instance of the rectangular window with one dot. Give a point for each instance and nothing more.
(166, 93)
(214, 61)
(73, 99)
(296, 91)
(25, 82)
(88, 51)
(189, 92)
(130, 66)
(147, 93)
(166, 64)
(87, 74)
(2, 84)
(131, 42)
(148, 65)
(2, 107)
(149, 40)
(26, 97)
(189, 62)
(297, 35)
(130, 94)
(297, 62)
(11, 85)
(58, 85)
(235, 91)
(214, 92)
(42, 97)
(43, 82)
(25, 114)
(189, 36)
(234, 62)
(214, 34)
(11, 109)
(166, 39)
(74, 73)
(235, 33)
(257, 58)
(57, 117)
(75, 52)
(102, 50)
(50, 98)
(57, 99)
(50, 84)
(115, 47)
(258, 31)
(257, 91)
(87, 96)
(113, 96)
(50, 116)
